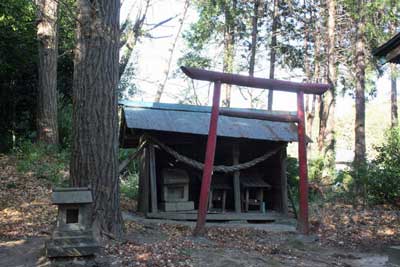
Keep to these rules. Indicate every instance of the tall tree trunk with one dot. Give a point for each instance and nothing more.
(171, 55)
(47, 36)
(326, 140)
(360, 66)
(94, 160)
(394, 117)
(273, 50)
(229, 46)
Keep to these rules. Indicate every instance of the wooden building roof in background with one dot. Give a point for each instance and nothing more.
(191, 119)
(389, 51)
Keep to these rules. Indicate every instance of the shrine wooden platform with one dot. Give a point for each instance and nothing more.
(269, 216)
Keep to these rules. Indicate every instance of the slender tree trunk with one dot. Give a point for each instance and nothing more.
(257, 13)
(360, 66)
(307, 71)
(129, 37)
(229, 46)
(47, 36)
(311, 75)
(94, 160)
(273, 50)
(393, 97)
(171, 55)
(254, 34)
(326, 142)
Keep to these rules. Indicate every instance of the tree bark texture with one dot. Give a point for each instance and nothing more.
(47, 35)
(94, 159)
(326, 140)
(229, 46)
(394, 117)
(359, 149)
(273, 50)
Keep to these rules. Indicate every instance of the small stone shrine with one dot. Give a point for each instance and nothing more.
(175, 190)
(73, 236)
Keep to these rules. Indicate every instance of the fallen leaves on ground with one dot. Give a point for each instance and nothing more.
(180, 248)
(343, 225)
(26, 211)
(25, 208)
(167, 252)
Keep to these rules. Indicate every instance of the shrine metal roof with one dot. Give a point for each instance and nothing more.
(192, 119)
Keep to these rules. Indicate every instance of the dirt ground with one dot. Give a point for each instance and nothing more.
(169, 243)
(341, 235)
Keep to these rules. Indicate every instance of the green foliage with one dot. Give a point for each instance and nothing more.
(18, 68)
(383, 179)
(319, 173)
(292, 172)
(207, 26)
(376, 182)
(316, 169)
(44, 161)
(130, 185)
(65, 124)
(193, 59)
(127, 87)
(18, 57)
(343, 182)
(130, 178)
(208, 32)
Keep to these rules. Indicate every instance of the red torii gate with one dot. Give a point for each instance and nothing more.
(300, 88)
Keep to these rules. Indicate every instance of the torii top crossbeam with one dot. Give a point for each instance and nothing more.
(300, 88)
(253, 82)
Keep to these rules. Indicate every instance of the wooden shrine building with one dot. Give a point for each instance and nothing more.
(389, 51)
(249, 180)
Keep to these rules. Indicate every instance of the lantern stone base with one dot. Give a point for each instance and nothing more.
(66, 245)
(74, 262)
(394, 255)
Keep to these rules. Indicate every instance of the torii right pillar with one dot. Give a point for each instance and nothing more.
(303, 182)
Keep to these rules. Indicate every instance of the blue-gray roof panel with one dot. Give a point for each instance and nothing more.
(195, 120)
